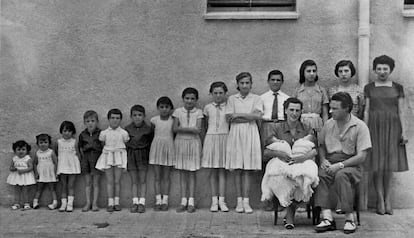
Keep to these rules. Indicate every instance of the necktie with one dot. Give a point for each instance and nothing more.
(274, 108)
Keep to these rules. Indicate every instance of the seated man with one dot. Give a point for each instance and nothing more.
(344, 142)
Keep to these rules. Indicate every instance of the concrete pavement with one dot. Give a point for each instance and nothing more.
(201, 224)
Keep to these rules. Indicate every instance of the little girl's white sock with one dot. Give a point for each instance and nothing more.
(221, 200)
(164, 199)
(158, 199)
(135, 200)
(214, 200)
(116, 201)
(35, 203)
(184, 201)
(190, 201)
(110, 201)
(141, 201)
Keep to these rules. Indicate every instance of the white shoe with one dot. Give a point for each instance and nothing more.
(223, 207)
(52, 206)
(63, 207)
(214, 207)
(247, 208)
(239, 207)
(69, 207)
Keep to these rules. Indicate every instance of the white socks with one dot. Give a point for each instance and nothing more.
(141, 201)
(190, 201)
(53, 205)
(116, 201)
(246, 206)
(110, 201)
(164, 199)
(184, 201)
(35, 203)
(158, 199)
(64, 204)
(327, 214)
(134, 200)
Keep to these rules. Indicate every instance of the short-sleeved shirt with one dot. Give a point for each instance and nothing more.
(384, 97)
(268, 98)
(248, 104)
(90, 141)
(114, 138)
(282, 132)
(354, 138)
(312, 98)
(187, 119)
(356, 93)
(217, 123)
(140, 137)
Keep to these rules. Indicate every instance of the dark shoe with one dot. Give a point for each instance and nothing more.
(181, 208)
(325, 225)
(141, 208)
(157, 207)
(110, 209)
(117, 207)
(191, 209)
(349, 227)
(289, 226)
(134, 208)
(164, 207)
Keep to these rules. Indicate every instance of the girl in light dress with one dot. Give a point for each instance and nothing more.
(114, 157)
(45, 168)
(162, 152)
(187, 125)
(243, 150)
(214, 150)
(68, 164)
(21, 174)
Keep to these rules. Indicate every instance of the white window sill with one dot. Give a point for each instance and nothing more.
(408, 12)
(251, 15)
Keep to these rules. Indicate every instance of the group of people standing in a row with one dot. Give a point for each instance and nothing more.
(241, 130)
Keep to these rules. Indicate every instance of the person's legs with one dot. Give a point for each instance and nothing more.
(142, 173)
(95, 183)
(17, 195)
(191, 190)
(157, 185)
(39, 190)
(237, 180)
(213, 186)
(246, 191)
(63, 197)
(322, 200)
(134, 188)
(290, 215)
(379, 188)
(165, 187)
(183, 190)
(71, 191)
(25, 197)
(222, 190)
(388, 192)
(53, 205)
(87, 192)
(117, 186)
(109, 174)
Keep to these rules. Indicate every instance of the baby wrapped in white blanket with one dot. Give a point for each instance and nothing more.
(290, 181)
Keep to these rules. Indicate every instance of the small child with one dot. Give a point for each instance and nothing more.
(299, 148)
(114, 157)
(21, 174)
(214, 150)
(68, 164)
(138, 147)
(45, 168)
(187, 125)
(162, 152)
(90, 148)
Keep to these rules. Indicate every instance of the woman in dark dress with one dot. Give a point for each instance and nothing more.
(384, 115)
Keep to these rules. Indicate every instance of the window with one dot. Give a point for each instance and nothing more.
(251, 9)
(408, 10)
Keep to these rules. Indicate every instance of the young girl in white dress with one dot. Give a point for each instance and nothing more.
(21, 174)
(45, 168)
(114, 157)
(214, 149)
(162, 152)
(243, 153)
(68, 164)
(187, 125)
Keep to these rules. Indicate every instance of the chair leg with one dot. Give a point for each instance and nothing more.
(308, 210)
(276, 207)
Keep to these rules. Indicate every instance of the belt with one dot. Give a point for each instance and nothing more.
(272, 121)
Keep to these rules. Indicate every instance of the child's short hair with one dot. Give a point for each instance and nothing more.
(138, 108)
(90, 113)
(68, 125)
(190, 91)
(21, 144)
(165, 101)
(384, 59)
(218, 84)
(115, 111)
(43, 137)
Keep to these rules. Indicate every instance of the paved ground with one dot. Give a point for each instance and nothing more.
(202, 224)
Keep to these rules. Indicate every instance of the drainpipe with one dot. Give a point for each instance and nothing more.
(363, 76)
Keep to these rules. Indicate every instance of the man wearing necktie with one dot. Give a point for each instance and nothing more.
(273, 108)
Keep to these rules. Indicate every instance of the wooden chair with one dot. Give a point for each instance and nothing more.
(310, 210)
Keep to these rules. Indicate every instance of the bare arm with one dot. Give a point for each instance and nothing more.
(402, 108)
(269, 154)
(325, 112)
(192, 130)
(366, 110)
(55, 161)
(245, 117)
(301, 158)
(35, 162)
(29, 167)
(324, 163)
(357, 159)
(12, 168)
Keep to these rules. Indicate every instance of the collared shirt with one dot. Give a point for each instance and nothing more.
(140, 137)
(355, 137)
(217, 123)
(356, 93)
(114, 138)
(187, 119)
(90, 141)
(312, 98)
(249, 104)
(282, 131)
(268, 98)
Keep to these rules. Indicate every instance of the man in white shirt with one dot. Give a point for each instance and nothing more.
(273, 103)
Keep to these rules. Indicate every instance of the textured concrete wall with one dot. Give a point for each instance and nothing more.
(60, 58)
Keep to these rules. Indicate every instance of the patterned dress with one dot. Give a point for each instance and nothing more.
(45, 166)
(162, 150)
(68, 161)
(24, 179)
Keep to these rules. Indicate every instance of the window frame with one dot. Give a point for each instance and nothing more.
(250, 15)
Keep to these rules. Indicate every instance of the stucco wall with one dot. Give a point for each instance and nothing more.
(60, 58)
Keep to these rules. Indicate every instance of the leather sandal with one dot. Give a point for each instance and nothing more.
(349, 227)
(325, 225)
(289, 226)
